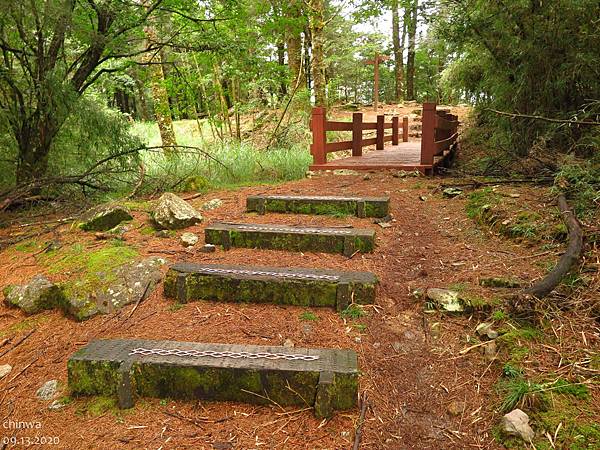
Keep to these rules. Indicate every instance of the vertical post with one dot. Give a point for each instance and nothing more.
(319, 135)
(380, 131)
(428, 134)
(405, 129)
(395, 122)
(376, 91)
(357, 119)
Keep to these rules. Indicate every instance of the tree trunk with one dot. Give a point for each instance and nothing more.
(398, 51)
(317, 23)
(162, 110)
(411, 17)
(294, 45)
(34, 141)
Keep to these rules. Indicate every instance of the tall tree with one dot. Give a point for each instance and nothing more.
(398, 46)
(317, 24)
(295, 23)
(411, 18)
(162, 109)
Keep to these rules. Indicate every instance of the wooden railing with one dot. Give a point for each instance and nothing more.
(320, 126)
(439, 133)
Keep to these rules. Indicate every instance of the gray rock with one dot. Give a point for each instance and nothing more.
(288, 343)
(490, 351)
(188, 239)
(452, 192)
(127, 284)
(516, 423)
(174, 213)
(104, 217)
(163, 234)
(56, 404)
(37, 295)
(485, 329)
(212, 204)
(48, 390)
(208, 248)
(446, 299)
(5, 370)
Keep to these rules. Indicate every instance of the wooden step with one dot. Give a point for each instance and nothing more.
(326, 379)
(356, 206)
(281, 237)
(285, 286)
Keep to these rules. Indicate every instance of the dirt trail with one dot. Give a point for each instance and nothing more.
(410, 367)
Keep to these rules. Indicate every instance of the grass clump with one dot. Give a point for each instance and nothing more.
(354, 312)
(308, 316)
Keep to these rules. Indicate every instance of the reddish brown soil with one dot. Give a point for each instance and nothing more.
(410, 377)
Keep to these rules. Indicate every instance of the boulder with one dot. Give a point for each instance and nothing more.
(104, 217)
(129, 283)
(188, 239)
(516, 423)
(174, 213)
(37, 295)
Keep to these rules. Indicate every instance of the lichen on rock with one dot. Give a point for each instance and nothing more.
(172, 213)
(104, 217)
(35, 296)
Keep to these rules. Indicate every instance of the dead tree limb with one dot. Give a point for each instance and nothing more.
(542, 118)
(361, 421)
(572, 255)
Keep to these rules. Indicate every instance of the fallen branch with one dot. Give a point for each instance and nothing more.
(361, 421)
(476, 183)
(542, 118)
(543, 287)
(16, 344)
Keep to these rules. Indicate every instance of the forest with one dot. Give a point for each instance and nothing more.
(167, 115)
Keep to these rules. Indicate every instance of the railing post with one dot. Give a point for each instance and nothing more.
(405, 129)
(319, 135)
(428, 134)
(395, 122)
(357, 119)
(380, 131)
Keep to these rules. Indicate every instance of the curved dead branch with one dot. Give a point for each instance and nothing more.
(566, 262)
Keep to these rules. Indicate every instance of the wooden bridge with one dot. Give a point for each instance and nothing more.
(438, 142)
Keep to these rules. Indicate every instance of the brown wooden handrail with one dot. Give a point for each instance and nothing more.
(320, 126)
(439, 133)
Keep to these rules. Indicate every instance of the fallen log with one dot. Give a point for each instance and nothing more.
(571, 256)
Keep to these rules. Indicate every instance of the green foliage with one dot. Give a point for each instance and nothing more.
(480, 202)
(308, 316)
(354, 312)
(511, 371)
(580, 181)
(533, 58)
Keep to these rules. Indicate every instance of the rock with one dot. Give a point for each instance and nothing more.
(37, 295)
(451, 192)
(367, 177)
(212, 204)
(5, 370)
(397, 346)
(56, 404)
(188, 239)
(163, 234)
(384, 224)
(174, 213)
(345, 172)
(48, 390)
(208, 248)
(436, 330)
(485, 329)
(127, 284)
(446, 299)
(104, 217)
(456, 408)
(516, 423)
(288, 343)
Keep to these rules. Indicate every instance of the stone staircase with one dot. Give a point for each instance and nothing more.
(324, 379)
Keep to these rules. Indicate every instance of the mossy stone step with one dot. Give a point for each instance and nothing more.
(281, 237)
(326, 379)
(355, 206)
(287, 286)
